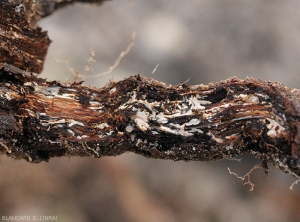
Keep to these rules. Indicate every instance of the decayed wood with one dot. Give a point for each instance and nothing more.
(21, 44)
(41, 119)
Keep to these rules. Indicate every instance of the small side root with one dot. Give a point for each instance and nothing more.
(247, 175)
(5, 147)
(295, 183)
(118, 60)
(89, 67)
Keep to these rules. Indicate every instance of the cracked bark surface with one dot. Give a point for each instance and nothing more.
(41, 119)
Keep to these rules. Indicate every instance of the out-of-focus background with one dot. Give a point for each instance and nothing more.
(204, 41)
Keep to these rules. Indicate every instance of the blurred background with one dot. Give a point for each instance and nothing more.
(204, 41)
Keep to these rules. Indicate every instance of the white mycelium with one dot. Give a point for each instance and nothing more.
(141, 120)
(274, 128)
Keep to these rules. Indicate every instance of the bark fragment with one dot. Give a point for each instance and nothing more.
(21, 44)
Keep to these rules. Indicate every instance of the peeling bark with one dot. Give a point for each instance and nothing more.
(41, 119)
(21, 44)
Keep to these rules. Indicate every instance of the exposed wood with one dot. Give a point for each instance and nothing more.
(21, 44)
(41, 119)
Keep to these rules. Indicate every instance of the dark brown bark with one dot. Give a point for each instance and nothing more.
(62, 3)
(40, 119)
(20, 44)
